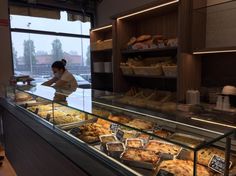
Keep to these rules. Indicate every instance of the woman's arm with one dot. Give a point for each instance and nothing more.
(60, 84)
(50, 82)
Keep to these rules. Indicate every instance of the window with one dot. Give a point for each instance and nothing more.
(34, 50)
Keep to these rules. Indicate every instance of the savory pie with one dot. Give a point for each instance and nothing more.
(183, 168)
(140, 155)
(161, 147)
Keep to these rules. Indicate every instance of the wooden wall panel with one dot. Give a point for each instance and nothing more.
(218, 70)
(189, 67)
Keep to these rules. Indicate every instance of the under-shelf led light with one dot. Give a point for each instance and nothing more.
(215, 123)
(101, 28)
(214, 52)
(149, 9)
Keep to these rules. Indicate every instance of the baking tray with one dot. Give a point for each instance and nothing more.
(140, 164)
(165, 156)
(107, 135)
(72, 125)
(115, 154)
(134, 139)
(201, 140)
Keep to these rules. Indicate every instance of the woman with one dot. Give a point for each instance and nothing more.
(62, 77)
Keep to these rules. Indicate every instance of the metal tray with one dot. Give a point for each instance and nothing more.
(134, 139)
(115, 154)
(140, 164)
(72, 125)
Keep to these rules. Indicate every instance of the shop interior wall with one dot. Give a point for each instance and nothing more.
(5, 47)
(108, 8)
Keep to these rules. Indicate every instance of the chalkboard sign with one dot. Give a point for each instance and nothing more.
(119, 134)
(217, 164)
(114, 127)
(162, 172)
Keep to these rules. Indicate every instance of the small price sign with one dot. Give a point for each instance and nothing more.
(217, 164)
(114, 127)
(119, 134)
(162, 172)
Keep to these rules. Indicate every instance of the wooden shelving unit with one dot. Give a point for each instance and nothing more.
(102, 80)
(166, 51)
(158, 21)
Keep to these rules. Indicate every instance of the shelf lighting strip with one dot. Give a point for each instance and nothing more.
(149, 9)
(212, 52)
(159, 118)
(215, 123)
(101, 28)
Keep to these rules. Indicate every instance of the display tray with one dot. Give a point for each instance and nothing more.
(69, 126)
(140, 164)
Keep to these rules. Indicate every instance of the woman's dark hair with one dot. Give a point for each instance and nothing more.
(59, 64)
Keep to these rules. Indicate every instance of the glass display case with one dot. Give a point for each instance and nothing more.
(141, 141)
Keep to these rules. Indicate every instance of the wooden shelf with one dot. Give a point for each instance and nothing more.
(153, 77)
(215, 50)
(167, 51)
(99, 51)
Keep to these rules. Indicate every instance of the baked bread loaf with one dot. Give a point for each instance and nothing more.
(143, 38)
(131, 41)
(183, 168)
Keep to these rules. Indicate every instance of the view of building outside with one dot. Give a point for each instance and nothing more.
(34, 53)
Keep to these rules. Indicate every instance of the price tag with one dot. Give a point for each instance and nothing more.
(48, 117)
(164, 173)
(119, 134)
(217, 164)
(36, 111)
(26, 105)
(114, 127)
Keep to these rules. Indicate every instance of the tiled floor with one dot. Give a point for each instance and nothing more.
(6, 168)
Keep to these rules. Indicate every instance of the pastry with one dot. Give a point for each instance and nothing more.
(143, 38)
(144, 137)
(106, 124)
(134, 143)
(162, 133)
(119, 118)
(183, 168)
(141, 124)
(140, 155)
(90, 132)
(21, 97)
(161, 147)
